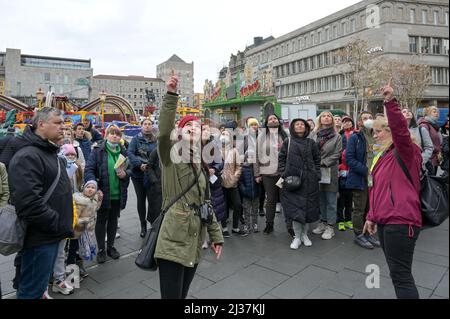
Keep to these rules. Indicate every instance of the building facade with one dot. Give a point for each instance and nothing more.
(199, 99)
(185, 73)
(23, 75)
(139, 91)
(304, 64)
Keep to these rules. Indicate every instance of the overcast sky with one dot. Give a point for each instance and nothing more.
(132, 37)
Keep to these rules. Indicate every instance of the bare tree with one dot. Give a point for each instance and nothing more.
(410, 79)
(361, 64)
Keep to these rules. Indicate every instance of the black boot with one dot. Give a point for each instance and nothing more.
(268, 229)
(143, 230)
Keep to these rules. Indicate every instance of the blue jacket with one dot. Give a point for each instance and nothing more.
(355, 157)
(97, 170)
(139, 142)
(85, 146)
(247, 184)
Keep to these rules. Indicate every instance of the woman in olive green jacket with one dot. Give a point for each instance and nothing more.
(179, 245)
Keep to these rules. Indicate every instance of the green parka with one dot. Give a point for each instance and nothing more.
(4, 188)
(182, 233)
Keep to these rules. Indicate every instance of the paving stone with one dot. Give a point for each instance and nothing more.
(302, 284)
(323, 293)
(431, 258)
(442, 289)
(347, 282)
(339, 258)
(427, 275)
(435, 241)
(287, 261)
(137, 291)
(236, 286)
(264, 275)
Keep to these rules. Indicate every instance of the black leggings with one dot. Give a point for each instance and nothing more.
(143, 198)
(398, 242)
(107, 222)
(345, 205)
(174, 279)
(233, 201)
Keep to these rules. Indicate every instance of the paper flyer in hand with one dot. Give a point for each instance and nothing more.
(325, 173)
(121, 164)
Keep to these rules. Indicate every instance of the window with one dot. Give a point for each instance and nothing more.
(319, 85)
(445, 45)
(335, 32)
(294, 67)
(425, 45)
(312, 62)
(352, 25)
(320, 61)
(312, 39)
(413, 41)
(446, 18)
(412, 16)
(313, 86)
(424, 16)
(343, 28)
(436, 17)
(437, 45)
(327, 58)
(400, 14)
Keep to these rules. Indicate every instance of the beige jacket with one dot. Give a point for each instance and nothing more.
(232, 168)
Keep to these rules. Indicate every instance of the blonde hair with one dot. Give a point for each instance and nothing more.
(319, 125)
(427, 110)
(113, 129)
(382, 124)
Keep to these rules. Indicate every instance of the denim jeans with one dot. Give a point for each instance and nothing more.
(328, 207)
(59, 269)
(36, 269)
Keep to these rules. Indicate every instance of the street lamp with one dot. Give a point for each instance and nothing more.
(40, 97)
(102, 97)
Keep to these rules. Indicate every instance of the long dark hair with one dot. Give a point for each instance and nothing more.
(412, 122)
(281, 130)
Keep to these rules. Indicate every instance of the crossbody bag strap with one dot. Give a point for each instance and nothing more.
(421, 136)
(207, 191)
(174, 200)
(403, 166)
(55, 182)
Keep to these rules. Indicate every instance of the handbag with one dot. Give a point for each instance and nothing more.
(433, 196)
(146, 256)
(12, 230)
(294, 182)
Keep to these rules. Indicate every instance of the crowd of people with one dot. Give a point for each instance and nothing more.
(331, 172)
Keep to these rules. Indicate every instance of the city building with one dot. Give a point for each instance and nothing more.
(199, 99)
(139, 91)
(305, 67)
(23, 75)
(185, 73)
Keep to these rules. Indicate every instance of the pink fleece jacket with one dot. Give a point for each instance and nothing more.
(393, 199)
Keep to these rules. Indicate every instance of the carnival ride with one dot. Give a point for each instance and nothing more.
(115, 109)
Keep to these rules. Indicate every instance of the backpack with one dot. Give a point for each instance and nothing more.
(433, 196)
(12, 230)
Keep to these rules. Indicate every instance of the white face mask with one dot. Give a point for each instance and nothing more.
(224, 139)
(368, 124)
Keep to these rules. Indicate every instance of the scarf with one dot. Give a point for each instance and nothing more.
(324, 135)
(150, 137)
(114, 182)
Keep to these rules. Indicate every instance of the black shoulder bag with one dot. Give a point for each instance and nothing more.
(294, 182)
(433, 196)
(146, 257)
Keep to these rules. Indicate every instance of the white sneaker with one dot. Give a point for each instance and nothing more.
(319, 229)
(296, 243)
(205, 245)
(278, 208)
(46, 295)
(306, 241)
(117, 235)
(62, 287)
(328, 233)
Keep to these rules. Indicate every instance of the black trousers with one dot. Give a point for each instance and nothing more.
(344, 205)
(72, 255)
(107, 223)
(174, 279)
(262, 196)
(398, 242)
(234, 201)
(273, 197)
(143, 198)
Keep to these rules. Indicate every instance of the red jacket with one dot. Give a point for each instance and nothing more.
(393, 199)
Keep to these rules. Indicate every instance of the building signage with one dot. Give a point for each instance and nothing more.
(250, 89)
(303, 98)
(375, 49)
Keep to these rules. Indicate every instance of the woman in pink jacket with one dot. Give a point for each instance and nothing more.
(394, 200)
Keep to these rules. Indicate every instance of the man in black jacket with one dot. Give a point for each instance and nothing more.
(33, 169)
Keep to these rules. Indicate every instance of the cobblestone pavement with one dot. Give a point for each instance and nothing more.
(263, 266)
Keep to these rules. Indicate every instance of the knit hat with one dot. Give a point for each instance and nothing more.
(348, 118)
(68, 149)
(91, 182)
(252, 121)
(186, 119)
